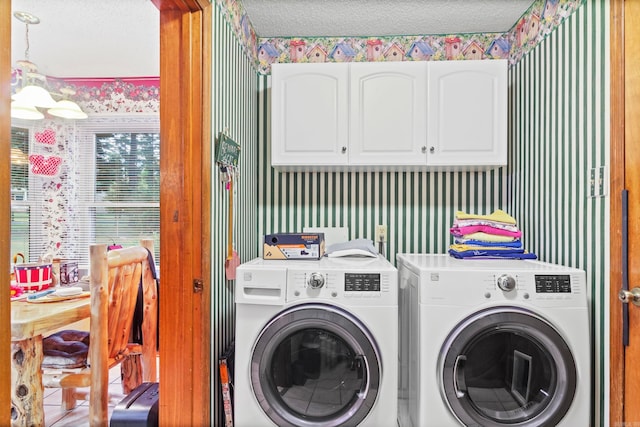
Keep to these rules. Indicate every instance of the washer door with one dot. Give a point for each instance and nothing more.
(507, 366)
(315, 365)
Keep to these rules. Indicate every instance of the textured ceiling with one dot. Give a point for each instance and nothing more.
(309, 18)
(89, 38)
(120, 38)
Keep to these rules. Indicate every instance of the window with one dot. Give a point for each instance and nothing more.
(19, 191)
(107, 189)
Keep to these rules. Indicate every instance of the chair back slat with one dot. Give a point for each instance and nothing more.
(128, 265)
(150, 315)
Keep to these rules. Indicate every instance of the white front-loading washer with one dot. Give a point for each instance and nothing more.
(316, 343)
(492, 343)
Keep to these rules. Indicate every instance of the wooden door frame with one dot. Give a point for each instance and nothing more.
(5, 209)
(185, 200)
(617, 184)
(185, 128)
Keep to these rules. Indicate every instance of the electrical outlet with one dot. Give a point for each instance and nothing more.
(597, 182)
(381, 233)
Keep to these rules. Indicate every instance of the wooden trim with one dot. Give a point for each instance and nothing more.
(185, 336)
(617, 184)
(5, 209)
(185, 121)
(203, 319)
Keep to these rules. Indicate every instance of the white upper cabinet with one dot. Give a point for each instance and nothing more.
(310, 114)
(467, 113)
(389, 116)
(388, 113)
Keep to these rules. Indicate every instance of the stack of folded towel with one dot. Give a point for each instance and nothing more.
(487, 236)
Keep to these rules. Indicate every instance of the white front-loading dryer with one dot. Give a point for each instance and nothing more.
(316, 343)
(492, 343)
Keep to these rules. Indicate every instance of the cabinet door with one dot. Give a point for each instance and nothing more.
(388, 113)
(309, 114)
(467, 113)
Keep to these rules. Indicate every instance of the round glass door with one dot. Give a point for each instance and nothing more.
(506, 366)
(315, 365)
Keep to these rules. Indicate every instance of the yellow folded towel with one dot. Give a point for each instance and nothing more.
(497, 215)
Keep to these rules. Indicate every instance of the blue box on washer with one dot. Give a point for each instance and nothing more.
(293, 246)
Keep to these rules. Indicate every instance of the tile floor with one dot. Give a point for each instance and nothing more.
(78, 417)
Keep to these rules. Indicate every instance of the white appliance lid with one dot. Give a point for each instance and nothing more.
(445, 261)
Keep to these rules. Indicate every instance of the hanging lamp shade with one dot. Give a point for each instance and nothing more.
(35, 96)
(30, 97)
(67, 110)
(22, 110)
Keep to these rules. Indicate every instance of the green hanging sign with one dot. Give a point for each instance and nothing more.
(227, 151)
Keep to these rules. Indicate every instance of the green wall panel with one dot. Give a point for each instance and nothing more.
(234, 111)
(560, 132)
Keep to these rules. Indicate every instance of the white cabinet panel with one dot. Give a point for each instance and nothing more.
(388, 113)
(467, 113)
(389, 116)
(309, 114)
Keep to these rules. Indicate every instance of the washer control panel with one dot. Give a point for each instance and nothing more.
(362, 282)
(346, 285)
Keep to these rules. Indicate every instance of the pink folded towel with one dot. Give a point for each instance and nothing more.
(461, 231)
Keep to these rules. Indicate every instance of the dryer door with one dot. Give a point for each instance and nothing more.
(315, 365)
(507, 366)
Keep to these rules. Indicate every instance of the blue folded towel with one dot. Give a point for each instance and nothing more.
(493, 254)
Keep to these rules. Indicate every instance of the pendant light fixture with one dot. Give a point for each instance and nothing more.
(33, 94)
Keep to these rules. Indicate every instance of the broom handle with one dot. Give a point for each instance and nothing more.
(230, 244)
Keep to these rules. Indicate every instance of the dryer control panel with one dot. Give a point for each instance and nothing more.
(553, 284)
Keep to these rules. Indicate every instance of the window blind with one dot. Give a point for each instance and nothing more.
(119, 181)
(20, 206)
(110, 184)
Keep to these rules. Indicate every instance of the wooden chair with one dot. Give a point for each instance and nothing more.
(115, 278)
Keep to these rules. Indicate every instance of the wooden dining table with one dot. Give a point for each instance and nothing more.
(30, 322)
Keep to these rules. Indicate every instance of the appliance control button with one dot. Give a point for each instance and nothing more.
(315, 281)
(506, 283)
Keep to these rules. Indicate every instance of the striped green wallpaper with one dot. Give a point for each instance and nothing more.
(559, 132)
(417, 207)
(234, 109)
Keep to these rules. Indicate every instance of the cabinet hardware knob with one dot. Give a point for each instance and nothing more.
(432, 150)
(424, 149)
(344, 149)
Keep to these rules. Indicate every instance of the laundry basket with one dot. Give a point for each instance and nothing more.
(31, 276)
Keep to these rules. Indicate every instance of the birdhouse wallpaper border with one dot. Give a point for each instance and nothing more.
(540, 19)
